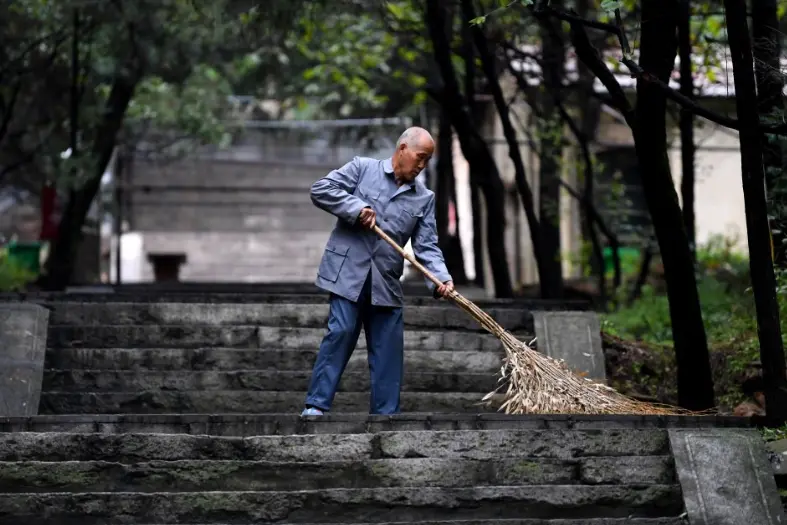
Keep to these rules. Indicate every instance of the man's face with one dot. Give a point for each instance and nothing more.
(411, 160)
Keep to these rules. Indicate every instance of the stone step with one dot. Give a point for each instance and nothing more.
(277, 314)
(345, 505)
(227, 269)
(525, 521)
(200, 177)
(267, 293)
(243, 401)
(247, 336)
(238, 216)
(197, 475)
(237, 244)
(255, 424)
(231, 359)
(260, 380)
(440, 444)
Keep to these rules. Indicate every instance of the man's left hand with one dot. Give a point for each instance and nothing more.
(446, 289)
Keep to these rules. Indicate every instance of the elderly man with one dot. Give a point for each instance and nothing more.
(361, 271)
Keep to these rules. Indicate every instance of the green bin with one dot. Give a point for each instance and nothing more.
(26, 254)
(629, 259)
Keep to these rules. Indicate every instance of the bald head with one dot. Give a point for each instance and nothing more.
(415, 136)
(413, 151)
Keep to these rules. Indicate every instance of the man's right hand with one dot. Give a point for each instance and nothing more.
(368, 218)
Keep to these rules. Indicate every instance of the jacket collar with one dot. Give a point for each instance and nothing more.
(388, 168)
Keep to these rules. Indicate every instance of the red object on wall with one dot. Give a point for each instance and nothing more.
(48, 219)
(451, 218)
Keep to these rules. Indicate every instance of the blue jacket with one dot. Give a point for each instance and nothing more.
(404, 213)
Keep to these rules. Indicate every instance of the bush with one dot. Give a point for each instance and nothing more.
(13, 276)
(730, 322)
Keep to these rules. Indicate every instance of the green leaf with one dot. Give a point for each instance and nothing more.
(526, 2)
(611, 5)
(477, 21)
(396, 10)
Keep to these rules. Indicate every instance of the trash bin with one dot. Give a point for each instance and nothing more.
(26, 255)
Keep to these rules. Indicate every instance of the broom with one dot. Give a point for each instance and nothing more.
(539, 384)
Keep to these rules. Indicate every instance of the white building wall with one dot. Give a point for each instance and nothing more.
(718, 193)
(719, 204)
(521, 259)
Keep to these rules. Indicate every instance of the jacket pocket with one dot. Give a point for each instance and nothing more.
(332, 262)
(405, 222)
(369, 195)
(415, 214)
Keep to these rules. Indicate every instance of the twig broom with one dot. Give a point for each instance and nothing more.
(539, 384)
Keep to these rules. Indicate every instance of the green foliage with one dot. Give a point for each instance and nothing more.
(348, 62)
(13, 276)
(728, 314)
(720, 254)
(195, 109)
(348, 56)
(611, 5)
(180, 58)
(774, 434)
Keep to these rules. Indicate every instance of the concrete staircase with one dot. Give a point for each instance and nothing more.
(164, 413)
(511, 476)
(239, 358)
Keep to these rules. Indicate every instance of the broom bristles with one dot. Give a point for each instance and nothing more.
(539, 384)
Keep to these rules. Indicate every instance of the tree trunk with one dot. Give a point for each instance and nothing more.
(478, 234)
(446, 196)
(60, 263)
(687, 149)
(489, 65)
(770, 83)
(760, 263)
(642, 275)
(468, 53)
(658, 49)
(475, 149)
(444, 170)
(553, 58)
(590, 116)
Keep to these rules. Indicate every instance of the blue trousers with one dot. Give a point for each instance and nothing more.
(384, 327)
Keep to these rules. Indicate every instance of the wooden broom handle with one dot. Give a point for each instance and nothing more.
(483, 318)
(429, 275)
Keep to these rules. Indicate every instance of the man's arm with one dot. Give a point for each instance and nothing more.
(425, 247)
(334, 192)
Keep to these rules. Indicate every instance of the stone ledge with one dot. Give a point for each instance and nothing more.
(23, 336)
(251, 296)
(402, 421)
(345, 505)
(725, 477)
(496, 445)
(248, 475)
(568, 521)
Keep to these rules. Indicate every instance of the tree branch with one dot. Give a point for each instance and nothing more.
(488, 65)
(8, 110)
(59, 39)
(582, 43)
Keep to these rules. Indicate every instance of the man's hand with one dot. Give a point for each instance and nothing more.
(368, 218)
(445, 289)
